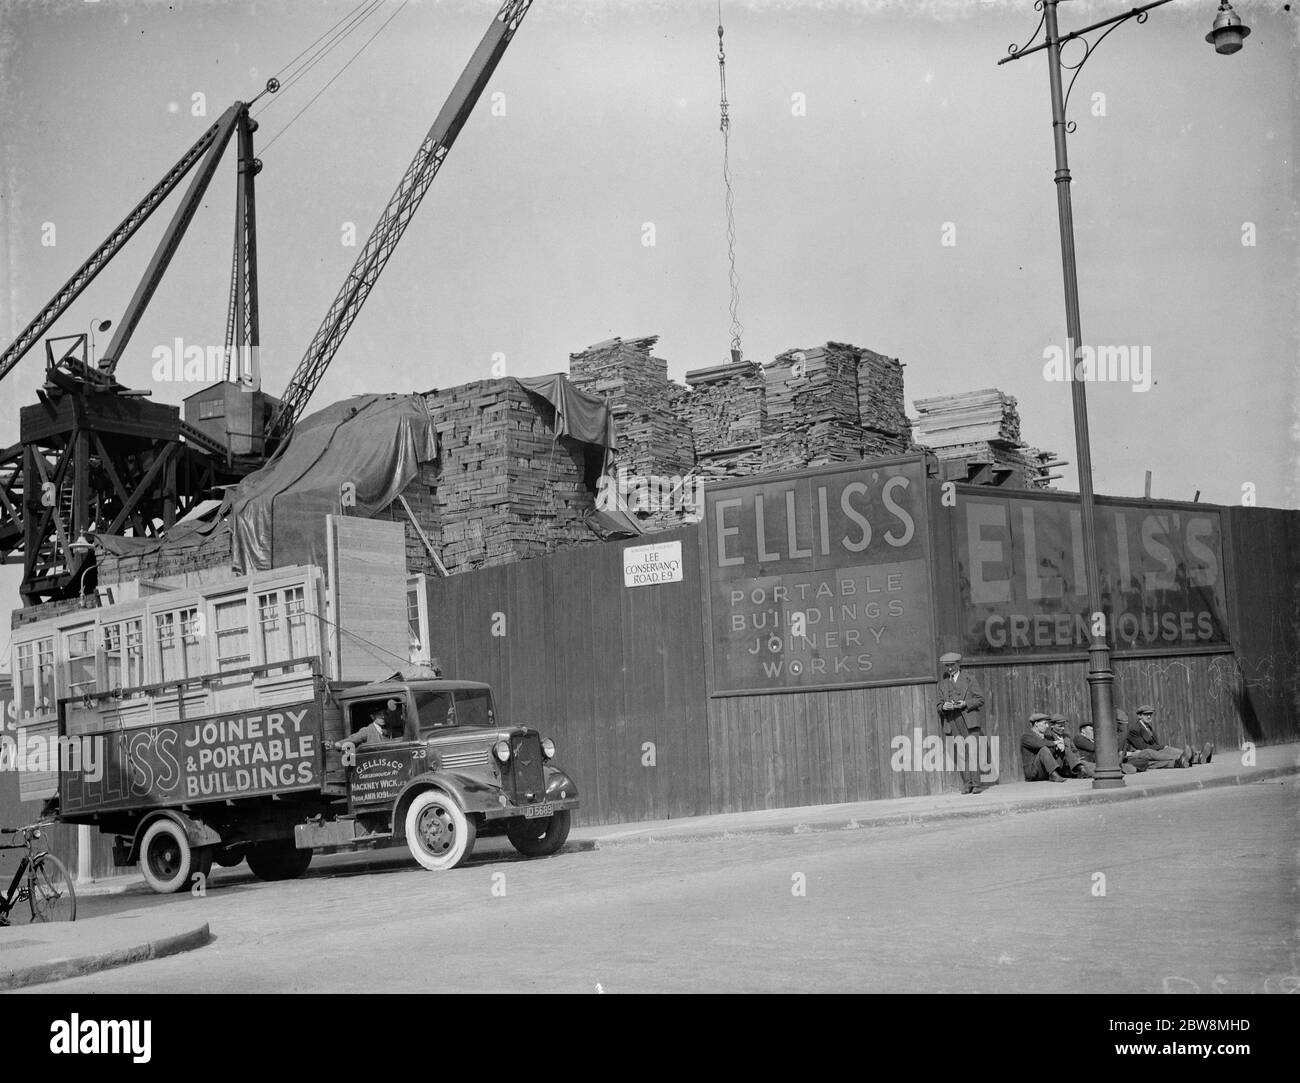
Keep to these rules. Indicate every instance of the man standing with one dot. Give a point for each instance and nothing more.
(958, 703)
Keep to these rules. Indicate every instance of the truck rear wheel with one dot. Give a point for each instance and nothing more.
(168, 861)
(280, 860)
(540, 838)
(438, 834)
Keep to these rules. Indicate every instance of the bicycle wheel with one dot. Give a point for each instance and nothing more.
(50, 891)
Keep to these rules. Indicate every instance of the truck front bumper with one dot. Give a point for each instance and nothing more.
(539, 811)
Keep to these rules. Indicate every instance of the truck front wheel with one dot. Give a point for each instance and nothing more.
(168, 861)
(540, 838)
(439, 835)
(280, 860)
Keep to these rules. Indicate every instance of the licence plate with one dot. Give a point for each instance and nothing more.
(537, 812)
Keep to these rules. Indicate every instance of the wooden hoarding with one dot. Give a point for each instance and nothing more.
(819, 579)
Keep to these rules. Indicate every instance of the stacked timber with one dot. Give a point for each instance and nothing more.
(987, 416)
(977, 434)
(504, 488)
(880, 397)
(623, 373)
(654, 442)
(206, 562)
(725, 407)
(816, 412)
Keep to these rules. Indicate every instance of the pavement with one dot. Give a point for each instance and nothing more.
(34, 954)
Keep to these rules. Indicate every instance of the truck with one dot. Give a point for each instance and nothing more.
(219, 723)
(273, 784)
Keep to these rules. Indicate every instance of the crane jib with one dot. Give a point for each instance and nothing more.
(395, 217)
(85, 274)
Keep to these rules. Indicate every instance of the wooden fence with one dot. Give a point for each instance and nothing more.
(617, 676)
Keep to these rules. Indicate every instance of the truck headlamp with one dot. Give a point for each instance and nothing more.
(502, 750)
(548, 748)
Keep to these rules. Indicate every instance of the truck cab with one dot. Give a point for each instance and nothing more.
(426, 762)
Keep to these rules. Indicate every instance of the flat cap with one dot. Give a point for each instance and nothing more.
(1059, 718)
(1121, 715)
(1038, 716)
(1146, 708)
(951, 658)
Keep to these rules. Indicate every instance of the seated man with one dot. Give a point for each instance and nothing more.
(1078, 765)
(396, 722)
(377, 731)
(1041, 754)
(1086, 746)
(1145, 717)
(1146, 748)
(1126, 752)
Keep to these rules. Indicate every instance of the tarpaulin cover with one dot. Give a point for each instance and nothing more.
(613, 524)
(181, 538)
(577, 414)
(376, 442)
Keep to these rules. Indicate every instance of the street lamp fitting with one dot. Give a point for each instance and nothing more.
(1229, 31)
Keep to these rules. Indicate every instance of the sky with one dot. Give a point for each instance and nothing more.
(893, 189)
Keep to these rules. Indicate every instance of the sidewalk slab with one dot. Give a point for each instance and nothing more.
(34, 954)
(1274, 762)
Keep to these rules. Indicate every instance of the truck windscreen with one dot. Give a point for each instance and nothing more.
(474, 707)
(464, 707)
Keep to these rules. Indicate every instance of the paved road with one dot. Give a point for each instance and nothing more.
(1200, 890)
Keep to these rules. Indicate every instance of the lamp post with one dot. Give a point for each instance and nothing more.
(1226, 37)
(100, 326)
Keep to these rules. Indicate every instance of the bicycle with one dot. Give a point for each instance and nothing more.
(40, 880)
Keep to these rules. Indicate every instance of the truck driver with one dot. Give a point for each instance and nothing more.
(385, 725)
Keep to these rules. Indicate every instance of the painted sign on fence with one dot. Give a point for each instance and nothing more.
(1021, 576)
(646, 565)
(820, 579)
(205, 759)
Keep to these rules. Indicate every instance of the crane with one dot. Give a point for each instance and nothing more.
(93, 456)
(396, 217)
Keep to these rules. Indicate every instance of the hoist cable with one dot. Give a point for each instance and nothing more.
(312, 100)
(725, 125)
(284, 74)
(336, 35)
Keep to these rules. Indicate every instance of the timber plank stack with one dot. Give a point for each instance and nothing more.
(816, 413)
(623, 373)
(725, 407)
(881, 408)
(987, 416)
(653, 440)
(979, 433)
(504, 488)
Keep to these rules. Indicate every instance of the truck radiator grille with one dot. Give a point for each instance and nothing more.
(461, 758)
(525, 780)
